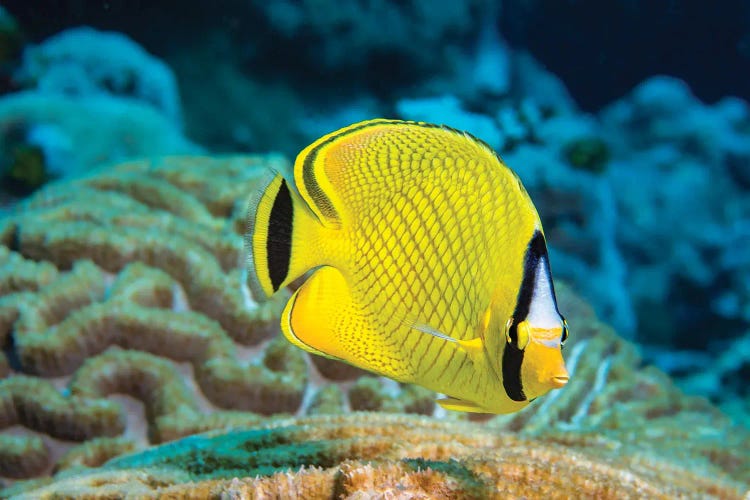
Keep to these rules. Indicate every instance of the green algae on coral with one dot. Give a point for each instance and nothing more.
(240, 453)
(27, 171)
(588, 153)
(471, 482)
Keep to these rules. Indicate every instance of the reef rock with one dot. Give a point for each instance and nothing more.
(90, 97)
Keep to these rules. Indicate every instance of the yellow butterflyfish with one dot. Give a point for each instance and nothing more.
(427, 263)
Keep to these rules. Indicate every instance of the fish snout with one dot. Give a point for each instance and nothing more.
(559, 380)
(560, 376)
(543, 369)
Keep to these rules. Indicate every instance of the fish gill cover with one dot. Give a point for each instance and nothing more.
(123, 279)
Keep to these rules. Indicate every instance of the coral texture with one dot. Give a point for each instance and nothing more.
(661, 133)
(85, 61)
(76, 134)
(380, 456)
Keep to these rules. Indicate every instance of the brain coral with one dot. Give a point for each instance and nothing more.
(128, 282)
(377, 455)
(124, 324)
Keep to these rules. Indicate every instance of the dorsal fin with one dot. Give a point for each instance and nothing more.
(317, 167)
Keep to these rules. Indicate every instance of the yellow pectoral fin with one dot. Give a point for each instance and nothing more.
(293, 334)
(322, 318)
(454, 404)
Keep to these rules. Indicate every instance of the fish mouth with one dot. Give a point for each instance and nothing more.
(559, 381)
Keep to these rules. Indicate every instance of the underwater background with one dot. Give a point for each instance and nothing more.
(131, 135)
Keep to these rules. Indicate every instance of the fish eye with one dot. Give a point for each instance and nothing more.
(564, 336)
(510, 337)
(517, 335)
(524, 335)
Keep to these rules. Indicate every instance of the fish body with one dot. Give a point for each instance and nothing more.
(427, 263)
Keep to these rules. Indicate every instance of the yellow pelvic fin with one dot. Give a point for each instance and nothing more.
(281, 231)
(454, 404)
(322, 318)
(473, 347)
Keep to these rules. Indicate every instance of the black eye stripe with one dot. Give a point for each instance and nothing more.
(512, 361)
(513, 333)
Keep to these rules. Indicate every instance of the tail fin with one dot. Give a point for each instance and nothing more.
(276, 217)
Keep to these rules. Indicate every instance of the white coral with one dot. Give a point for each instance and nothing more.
(87, 62)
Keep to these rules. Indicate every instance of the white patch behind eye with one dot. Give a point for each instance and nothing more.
(542, 311)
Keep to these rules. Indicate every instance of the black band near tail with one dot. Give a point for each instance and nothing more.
(279, 243)
(512, 361)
